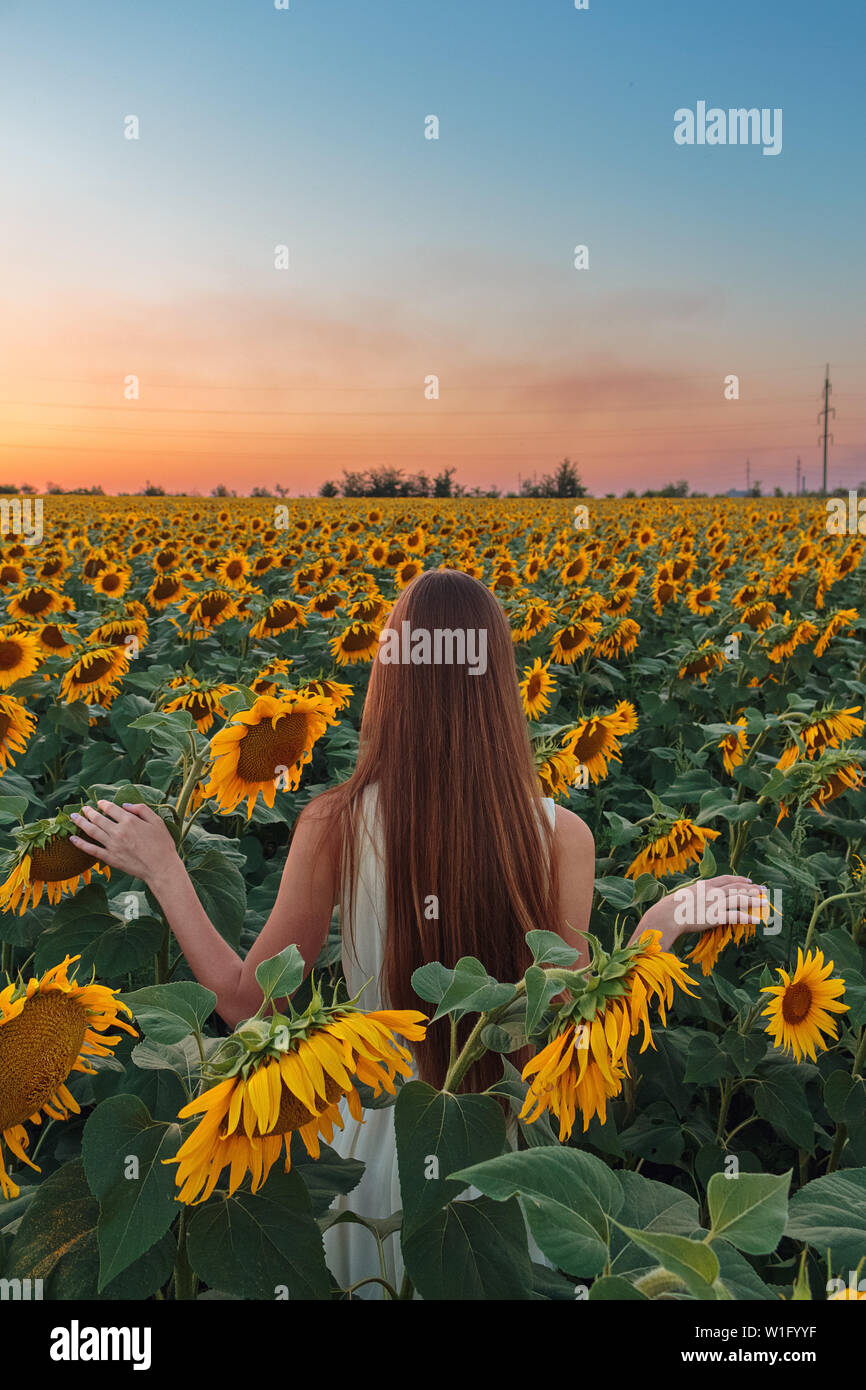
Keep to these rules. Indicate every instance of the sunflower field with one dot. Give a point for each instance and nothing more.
(692, 1125)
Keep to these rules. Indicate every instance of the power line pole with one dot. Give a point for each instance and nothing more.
(798, 475)
(826, 412)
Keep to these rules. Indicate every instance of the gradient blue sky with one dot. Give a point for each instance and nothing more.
(411, 257)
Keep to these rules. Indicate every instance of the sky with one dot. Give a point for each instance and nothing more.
(147, 333)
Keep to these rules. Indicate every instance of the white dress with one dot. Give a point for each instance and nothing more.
(350, 1249)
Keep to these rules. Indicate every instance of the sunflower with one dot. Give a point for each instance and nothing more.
(595, 743)
(535, 616)
(535, 688)
(37, 601)
(203, 699)
(10, 575)
(93, 676)
(371, 608)
(830, 729)
(233, 569)
(734, 746)
(266, 745)
(680, 844)
(577, 569)
(701, 601)
(209, 610)
(280, 616)
(406, 572)
(557, 773)
(54, 639)
(572, 640)
(618, 639)
(16, 726)
(585, 1062)
(282, 1084)
(44, 859)
(842, 618)
(329, 689)
(358, 642)
(701, 662)
(19, 656)
(112, 581)
(166, 589)
(799, 1012)
(264, 684)
(794, 635)
(115, 632)
(49, 1028)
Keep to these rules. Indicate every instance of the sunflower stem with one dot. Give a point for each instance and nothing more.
(473, 1048)
(6, 959)
(186, 792)
(837, 897)
(185, 1281)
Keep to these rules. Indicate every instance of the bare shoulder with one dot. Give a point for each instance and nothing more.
(572, 834)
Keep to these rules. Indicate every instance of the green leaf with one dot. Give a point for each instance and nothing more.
(136, 1200)
(221, 888)
(614, 1289)
(708, 863)
(469, 1252)
(830, 1213)
(706, 1062)
(540, 989)
(745, 1050)
(750, 1210)
(436, 1134)
(325, 1177)
(126, 946)
(691, 1260)
(12, 807)
(567, 1196)
(280, 975)
(471, 990)
(548, 948)
(169, 1013)
(619, 892)
(57, 1242)
(252, 1246)
(780, 1099)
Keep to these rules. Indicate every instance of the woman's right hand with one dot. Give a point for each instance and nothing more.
(131, 838)
(674, 914)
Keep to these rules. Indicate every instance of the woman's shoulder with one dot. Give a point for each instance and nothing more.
(570, 831)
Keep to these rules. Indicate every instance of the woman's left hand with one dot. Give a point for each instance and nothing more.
(131, 838)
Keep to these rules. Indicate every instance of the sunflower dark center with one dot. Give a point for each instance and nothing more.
(52, 636)
(234, 568)
(37, 1051)
(796, 1002)
(266, 746)
(94, 671)
(58, 860)
(111, 582)
(356, 641)
(281, 614)
(36, 601)
(165, 588)
(10, 655)
(212, 605)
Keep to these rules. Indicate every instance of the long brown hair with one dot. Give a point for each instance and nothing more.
(458, 801)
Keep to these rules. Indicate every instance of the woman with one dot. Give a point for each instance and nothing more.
(438, 846)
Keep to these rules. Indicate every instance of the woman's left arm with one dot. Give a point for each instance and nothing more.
(133, 839)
